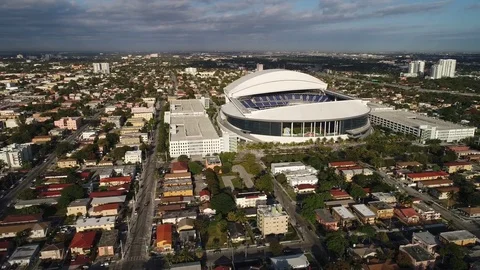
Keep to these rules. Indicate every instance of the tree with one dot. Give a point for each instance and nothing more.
(223, 203)
(27, 194)
(226, 167)
(357, 192)
(338, 265)
(264, 183)
(403, 260)
(383, 237)
(276, 248)
(108, 126)
(336, 243)
(119, 152)
(183, 158)
(452, 256)
(63, 148)
(281, 178)
(310, 203)
(70, 194)
(232, 217)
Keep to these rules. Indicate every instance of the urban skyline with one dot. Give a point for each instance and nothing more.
(268, 25)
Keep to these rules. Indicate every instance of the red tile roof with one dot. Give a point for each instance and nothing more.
(53, 187)
(408, 212)
(179, 166)
(458, 148)
(15, 219)
(51, 194)
(457, 163)
(108, 206)
(338, 193)
(83, 240)
(99, 194)
(306, 186)
(337, 164)
(123, 179)
(204, 192)
(427, 174)
(164, 233)
(447, 189)
(125, 186)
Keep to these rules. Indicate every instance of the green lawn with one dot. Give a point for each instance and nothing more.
(237, 183)
(216, 238)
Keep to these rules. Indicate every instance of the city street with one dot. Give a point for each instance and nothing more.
(140, 225)
(41, 168)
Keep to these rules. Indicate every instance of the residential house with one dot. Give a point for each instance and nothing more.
(343, 215)
(338, 194)
(334, 203)
(350, 172)
(384, 197)
(443, 193)
(106, 245)
(365, 215)
(175, 216)
(95, 223)
(236, 232)
(419, 257)
(381, 209)
(435, 183)
(407, 215)
(164, 237)
(185, 224)
(471, 211)
(178, 167)
(326, 219)
(37, 230)
(174, 191)
(362, 253)
(342, 164)
(134, 156)
(115, 181)
(407, 164)
(452, 167)
(24, 255)
(305, 188)
(54, 251)
(461, 238)
(204, 195)
(426, 176)
(20, 219)
(426, 240)
(162, 209)
(206, 209)
(110, 193)
(295, 261)
(78, 207)
(109, 209)
(82, 243)
(250, 199)
(187, 235)
(426, 212)
(107, 200)
(41, 139)
(212, 162)
(67, 163)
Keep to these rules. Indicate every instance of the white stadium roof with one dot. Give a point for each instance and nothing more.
(338, 110)
(272, 81)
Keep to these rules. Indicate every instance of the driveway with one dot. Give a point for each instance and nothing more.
(227, 181)
(247, 178)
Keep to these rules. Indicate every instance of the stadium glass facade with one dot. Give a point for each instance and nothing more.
(354, 126)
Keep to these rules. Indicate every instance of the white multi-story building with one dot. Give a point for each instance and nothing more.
(103, 68)
(192, 132)
(424, 127)
(250, 199)
(297, 173)
(444, 69)
(143, 112)
(15, 155)
(133, 156)
(416, 67)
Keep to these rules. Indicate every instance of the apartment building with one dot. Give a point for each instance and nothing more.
(272, 219)
(67, 163)
(250, 199)
(100, 223)
(78, 207)
(16, 155)
(381, 209)
(143, 112)
(343, 215)
(426, 212)
(326, 219)
(365, 215)
(70, 123)
(134, 156)
(461, 238)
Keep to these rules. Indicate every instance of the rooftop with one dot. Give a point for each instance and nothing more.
(191, 128)
(290, 261)
(457, 235)
(324, 215)
(80, 202)
(108, 238)
(87, 222)
(425, 237)
(343, 212)
(417, 253)
(186, 106)
(24, 252)
(363, 210)
(83, 239)
(271, 210)
(380, 205)
(164, 233)
(415, 120)
(427, 174)
(105, 200)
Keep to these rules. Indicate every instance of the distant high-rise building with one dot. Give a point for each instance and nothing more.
(416, 67)
(444, 68)
(259, 67)
(101, 68)
(436, 71)
(449, 66)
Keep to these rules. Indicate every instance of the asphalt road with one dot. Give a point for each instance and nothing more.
(41, 168)
(139, 236)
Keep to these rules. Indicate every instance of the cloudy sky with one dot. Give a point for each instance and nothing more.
(210, 25)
